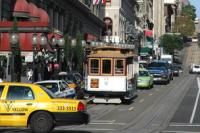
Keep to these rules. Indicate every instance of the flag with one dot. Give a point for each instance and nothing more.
(97, 2)
(103, 1)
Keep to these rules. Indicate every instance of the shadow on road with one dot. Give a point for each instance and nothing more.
(29, 131)
(68, 131)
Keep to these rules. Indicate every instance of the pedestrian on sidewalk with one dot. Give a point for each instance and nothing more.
(30, 75)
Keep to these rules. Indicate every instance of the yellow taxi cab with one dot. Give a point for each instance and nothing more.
(24, 105)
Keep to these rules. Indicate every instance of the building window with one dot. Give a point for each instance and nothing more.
(94, 66)
(106, 67)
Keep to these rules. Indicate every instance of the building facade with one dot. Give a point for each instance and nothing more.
(73, 16)
(158, 18)
(170, 13)
(120, 20)
(59, 17)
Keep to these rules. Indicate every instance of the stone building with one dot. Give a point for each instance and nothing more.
(52, 17)
(120, 19)
(158, 18)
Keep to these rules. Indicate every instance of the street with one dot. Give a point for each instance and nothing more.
(57, 56)
(165, 108)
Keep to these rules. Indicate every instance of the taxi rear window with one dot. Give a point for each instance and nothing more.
(1, 89)
(19, 93)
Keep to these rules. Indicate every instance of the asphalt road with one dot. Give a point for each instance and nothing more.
(187, 116)
(165, 108)
(151, 111)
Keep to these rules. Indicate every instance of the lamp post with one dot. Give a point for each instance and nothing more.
(61, 42)
(83, 42)
(14, 39)
(43, 42)
(57, 45)
(73, 44)
(34, 43)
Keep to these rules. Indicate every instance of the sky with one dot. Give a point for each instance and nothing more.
(196, 3)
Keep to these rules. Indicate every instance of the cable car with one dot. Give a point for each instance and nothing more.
(111, 73)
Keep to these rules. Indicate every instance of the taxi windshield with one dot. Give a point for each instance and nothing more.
(51, 95)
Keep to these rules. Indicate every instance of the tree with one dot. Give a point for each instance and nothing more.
(67, 53)
(79, 53)
(190, 11)
(171, 43)
(185, 21)
(184, 25)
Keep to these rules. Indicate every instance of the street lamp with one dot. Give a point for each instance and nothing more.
(57, 45)
(43, 43)
(14, 39)
(34, 43)
(43, 40)
(61, 42)
(73, 44)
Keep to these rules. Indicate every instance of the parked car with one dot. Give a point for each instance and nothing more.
(33, 105)
(74, 81)
(143, 64)
(194, 39)
(59, 87)
(72, 78)
(176, 69)
(161, 71)
(145, 79)
(194, 68)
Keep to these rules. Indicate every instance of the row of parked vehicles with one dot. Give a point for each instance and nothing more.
(157, 71)
(112, 74)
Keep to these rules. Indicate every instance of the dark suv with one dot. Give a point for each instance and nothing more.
(161, 71)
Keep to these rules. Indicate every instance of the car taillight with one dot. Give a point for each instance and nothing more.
(81, 106)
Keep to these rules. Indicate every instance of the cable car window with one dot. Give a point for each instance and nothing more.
(94, 66)
(106, 66)
(119, 66)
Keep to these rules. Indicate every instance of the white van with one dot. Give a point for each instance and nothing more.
(167, 57)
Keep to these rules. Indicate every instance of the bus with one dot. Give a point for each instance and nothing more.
(111, 73)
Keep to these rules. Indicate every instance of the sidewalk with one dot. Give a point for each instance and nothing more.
(23, 79)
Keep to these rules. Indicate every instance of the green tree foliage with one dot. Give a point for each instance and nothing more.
(184, 25)
(190, 11)
(79, 53)
(171, 43)
(185, 22)
(67, 52)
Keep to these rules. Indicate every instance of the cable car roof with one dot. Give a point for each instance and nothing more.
(108, 54)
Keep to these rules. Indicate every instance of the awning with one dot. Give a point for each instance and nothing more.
(144, 51)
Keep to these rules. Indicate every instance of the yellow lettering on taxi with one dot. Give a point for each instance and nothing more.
(68, 108)
(19, 109)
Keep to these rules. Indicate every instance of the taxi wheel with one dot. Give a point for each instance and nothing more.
(41, 122)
